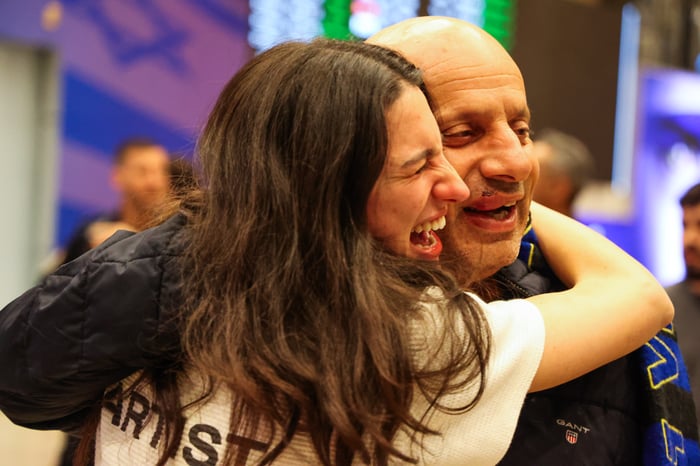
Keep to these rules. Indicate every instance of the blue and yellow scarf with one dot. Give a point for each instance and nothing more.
(669, 432)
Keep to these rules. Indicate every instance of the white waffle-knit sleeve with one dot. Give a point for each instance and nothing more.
(481, 435)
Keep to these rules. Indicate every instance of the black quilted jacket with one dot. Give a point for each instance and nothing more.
(88, 325)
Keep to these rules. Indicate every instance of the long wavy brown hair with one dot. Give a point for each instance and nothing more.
(289, 302)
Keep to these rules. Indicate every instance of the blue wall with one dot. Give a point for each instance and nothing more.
(128, 67)
(667, 164)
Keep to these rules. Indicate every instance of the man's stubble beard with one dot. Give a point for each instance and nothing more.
(477, 265)
(692, 273)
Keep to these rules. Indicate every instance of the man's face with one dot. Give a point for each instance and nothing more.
(142, 178)
(484, 120)
(691, 241)
(480, 105)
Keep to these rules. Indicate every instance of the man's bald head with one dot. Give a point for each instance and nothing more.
(428, 40)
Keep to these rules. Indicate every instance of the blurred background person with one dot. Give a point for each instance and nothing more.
(566, 166)
(685, 295)
(141, 176)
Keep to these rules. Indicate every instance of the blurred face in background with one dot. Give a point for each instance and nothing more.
(691, 241)
(554, 188)
(143, 177)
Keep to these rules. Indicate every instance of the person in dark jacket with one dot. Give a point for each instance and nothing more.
(140, 175)
(685, 294)
(617, 415)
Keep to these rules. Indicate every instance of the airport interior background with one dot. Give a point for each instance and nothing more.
(77, 76)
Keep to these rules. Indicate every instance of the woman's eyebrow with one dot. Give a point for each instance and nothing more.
(422, 155)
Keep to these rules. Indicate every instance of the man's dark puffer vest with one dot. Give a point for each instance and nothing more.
(592, 420)
(91, 323)
(637, 410)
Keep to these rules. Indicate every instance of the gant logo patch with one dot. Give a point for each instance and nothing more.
(573, 430)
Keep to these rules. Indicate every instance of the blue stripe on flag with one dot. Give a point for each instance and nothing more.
(98, 119)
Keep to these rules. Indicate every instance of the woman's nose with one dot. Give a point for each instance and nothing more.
(451, 186)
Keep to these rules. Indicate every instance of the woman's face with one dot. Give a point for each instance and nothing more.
(408, 202)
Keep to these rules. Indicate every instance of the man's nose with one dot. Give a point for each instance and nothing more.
(505, 157)
(691, 236)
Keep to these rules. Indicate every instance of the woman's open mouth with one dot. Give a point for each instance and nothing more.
(427, 240)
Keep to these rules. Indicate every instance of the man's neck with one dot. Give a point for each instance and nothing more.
(694, 286)
(133, 216)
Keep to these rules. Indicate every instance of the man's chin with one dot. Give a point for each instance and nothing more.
(474, 265)
(692, 273)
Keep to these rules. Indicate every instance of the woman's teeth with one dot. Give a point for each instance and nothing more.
(437, 224)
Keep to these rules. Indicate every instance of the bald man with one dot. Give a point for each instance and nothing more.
(612, 416)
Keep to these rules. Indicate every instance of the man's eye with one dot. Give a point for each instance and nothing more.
(458, 138)
(524, 132)
(458, 134)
